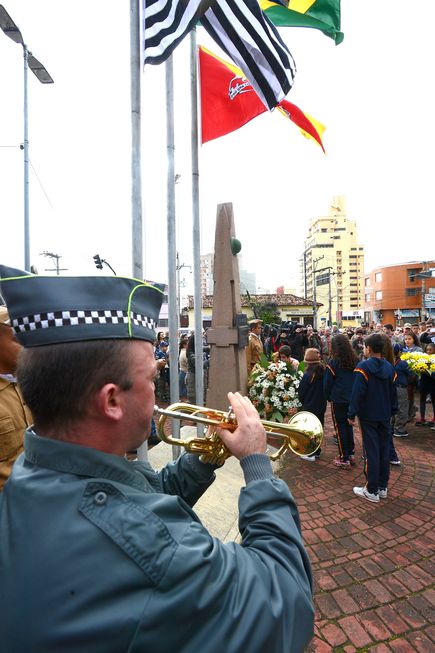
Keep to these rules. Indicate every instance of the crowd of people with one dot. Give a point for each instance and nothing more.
(361, 374)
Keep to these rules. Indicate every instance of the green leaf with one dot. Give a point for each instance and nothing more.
(277, 417)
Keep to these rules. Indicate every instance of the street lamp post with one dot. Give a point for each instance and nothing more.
(12, 31)
(178, 268)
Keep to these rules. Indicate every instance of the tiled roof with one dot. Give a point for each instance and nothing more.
(280, 300)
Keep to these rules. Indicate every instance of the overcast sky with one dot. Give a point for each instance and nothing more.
(373, 92)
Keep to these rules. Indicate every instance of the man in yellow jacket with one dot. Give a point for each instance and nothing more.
(255, 346)
(15, 417)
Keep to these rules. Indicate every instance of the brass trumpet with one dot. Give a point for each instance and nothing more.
(302, 434)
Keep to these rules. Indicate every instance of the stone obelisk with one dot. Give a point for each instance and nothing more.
(228, 333)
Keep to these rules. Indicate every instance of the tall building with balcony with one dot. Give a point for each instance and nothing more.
(332, 267)
(206, 274)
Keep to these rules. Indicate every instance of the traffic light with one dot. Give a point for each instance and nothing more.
(98, 263)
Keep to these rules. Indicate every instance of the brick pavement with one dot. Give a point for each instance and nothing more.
(373, 564)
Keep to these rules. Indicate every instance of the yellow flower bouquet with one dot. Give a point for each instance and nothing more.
(419, 362)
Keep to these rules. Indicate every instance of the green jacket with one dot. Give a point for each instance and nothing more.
(102, 555)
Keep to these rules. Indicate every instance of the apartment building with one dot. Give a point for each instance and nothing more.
(396, 294)
(332, 267)
(206, 274)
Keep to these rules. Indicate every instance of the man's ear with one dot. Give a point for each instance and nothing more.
(109, 402)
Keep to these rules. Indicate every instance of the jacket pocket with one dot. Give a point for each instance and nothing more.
(11, 438)
(142, 535)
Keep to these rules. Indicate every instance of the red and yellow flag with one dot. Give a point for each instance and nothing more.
(228, 101)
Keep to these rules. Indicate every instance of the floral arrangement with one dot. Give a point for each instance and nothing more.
(273, 389)
(419, 363)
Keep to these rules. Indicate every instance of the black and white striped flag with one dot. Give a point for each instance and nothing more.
(239, 27)
(166, 23)
(242, 30)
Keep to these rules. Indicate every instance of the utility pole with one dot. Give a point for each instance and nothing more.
(423, 275)
(55, 258)
(314, 291)
(329, 301)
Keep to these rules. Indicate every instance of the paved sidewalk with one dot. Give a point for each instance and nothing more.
(373, 564)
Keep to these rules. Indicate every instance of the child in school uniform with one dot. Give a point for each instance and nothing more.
(388, 354)
(403, 377)
(374, 401)
(310, 391)
(337, 386)
(426, 387)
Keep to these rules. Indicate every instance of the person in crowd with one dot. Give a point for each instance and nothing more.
(15, 415)
(162, 380)
(337, 386)
(425, 334)
(182, 365)
(426, 386)
(357, 342)
(407, 328)
(411, 343)
(310, 390)
(116, 549)
(326, 344)
(403, 376)
(284, 355)
(190, 377)
(389, 331)
(254, 349)
(388, 355)
(374, 401)
(298, 342)
(313, 337)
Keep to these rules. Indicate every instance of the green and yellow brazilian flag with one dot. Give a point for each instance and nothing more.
(319, 14)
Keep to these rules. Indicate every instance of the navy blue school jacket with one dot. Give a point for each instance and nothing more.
(310, 393)
(337, 383)
(403, 372)
(374, 395)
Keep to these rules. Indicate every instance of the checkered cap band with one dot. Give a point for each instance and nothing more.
(75, 318)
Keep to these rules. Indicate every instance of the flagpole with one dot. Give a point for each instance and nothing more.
(136, 176)
(197, 299)
(172, 248)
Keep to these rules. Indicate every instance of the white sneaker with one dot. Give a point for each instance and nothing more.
(383, 493)
(310, 458)
(362, 492)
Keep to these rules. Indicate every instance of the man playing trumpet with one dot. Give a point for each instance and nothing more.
(101, 554)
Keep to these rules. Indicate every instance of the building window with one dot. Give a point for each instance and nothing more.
(412, 292)
(411, 272)
(378, 294)
(378, 277)
(367, 281)
(367, 297)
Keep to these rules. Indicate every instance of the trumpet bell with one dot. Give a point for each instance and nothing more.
(302, 434)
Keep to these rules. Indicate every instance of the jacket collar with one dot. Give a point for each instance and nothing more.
(83, 461)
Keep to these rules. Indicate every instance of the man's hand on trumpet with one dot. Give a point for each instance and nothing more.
(249, 437)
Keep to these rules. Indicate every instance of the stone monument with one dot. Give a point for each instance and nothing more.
(228, 334)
